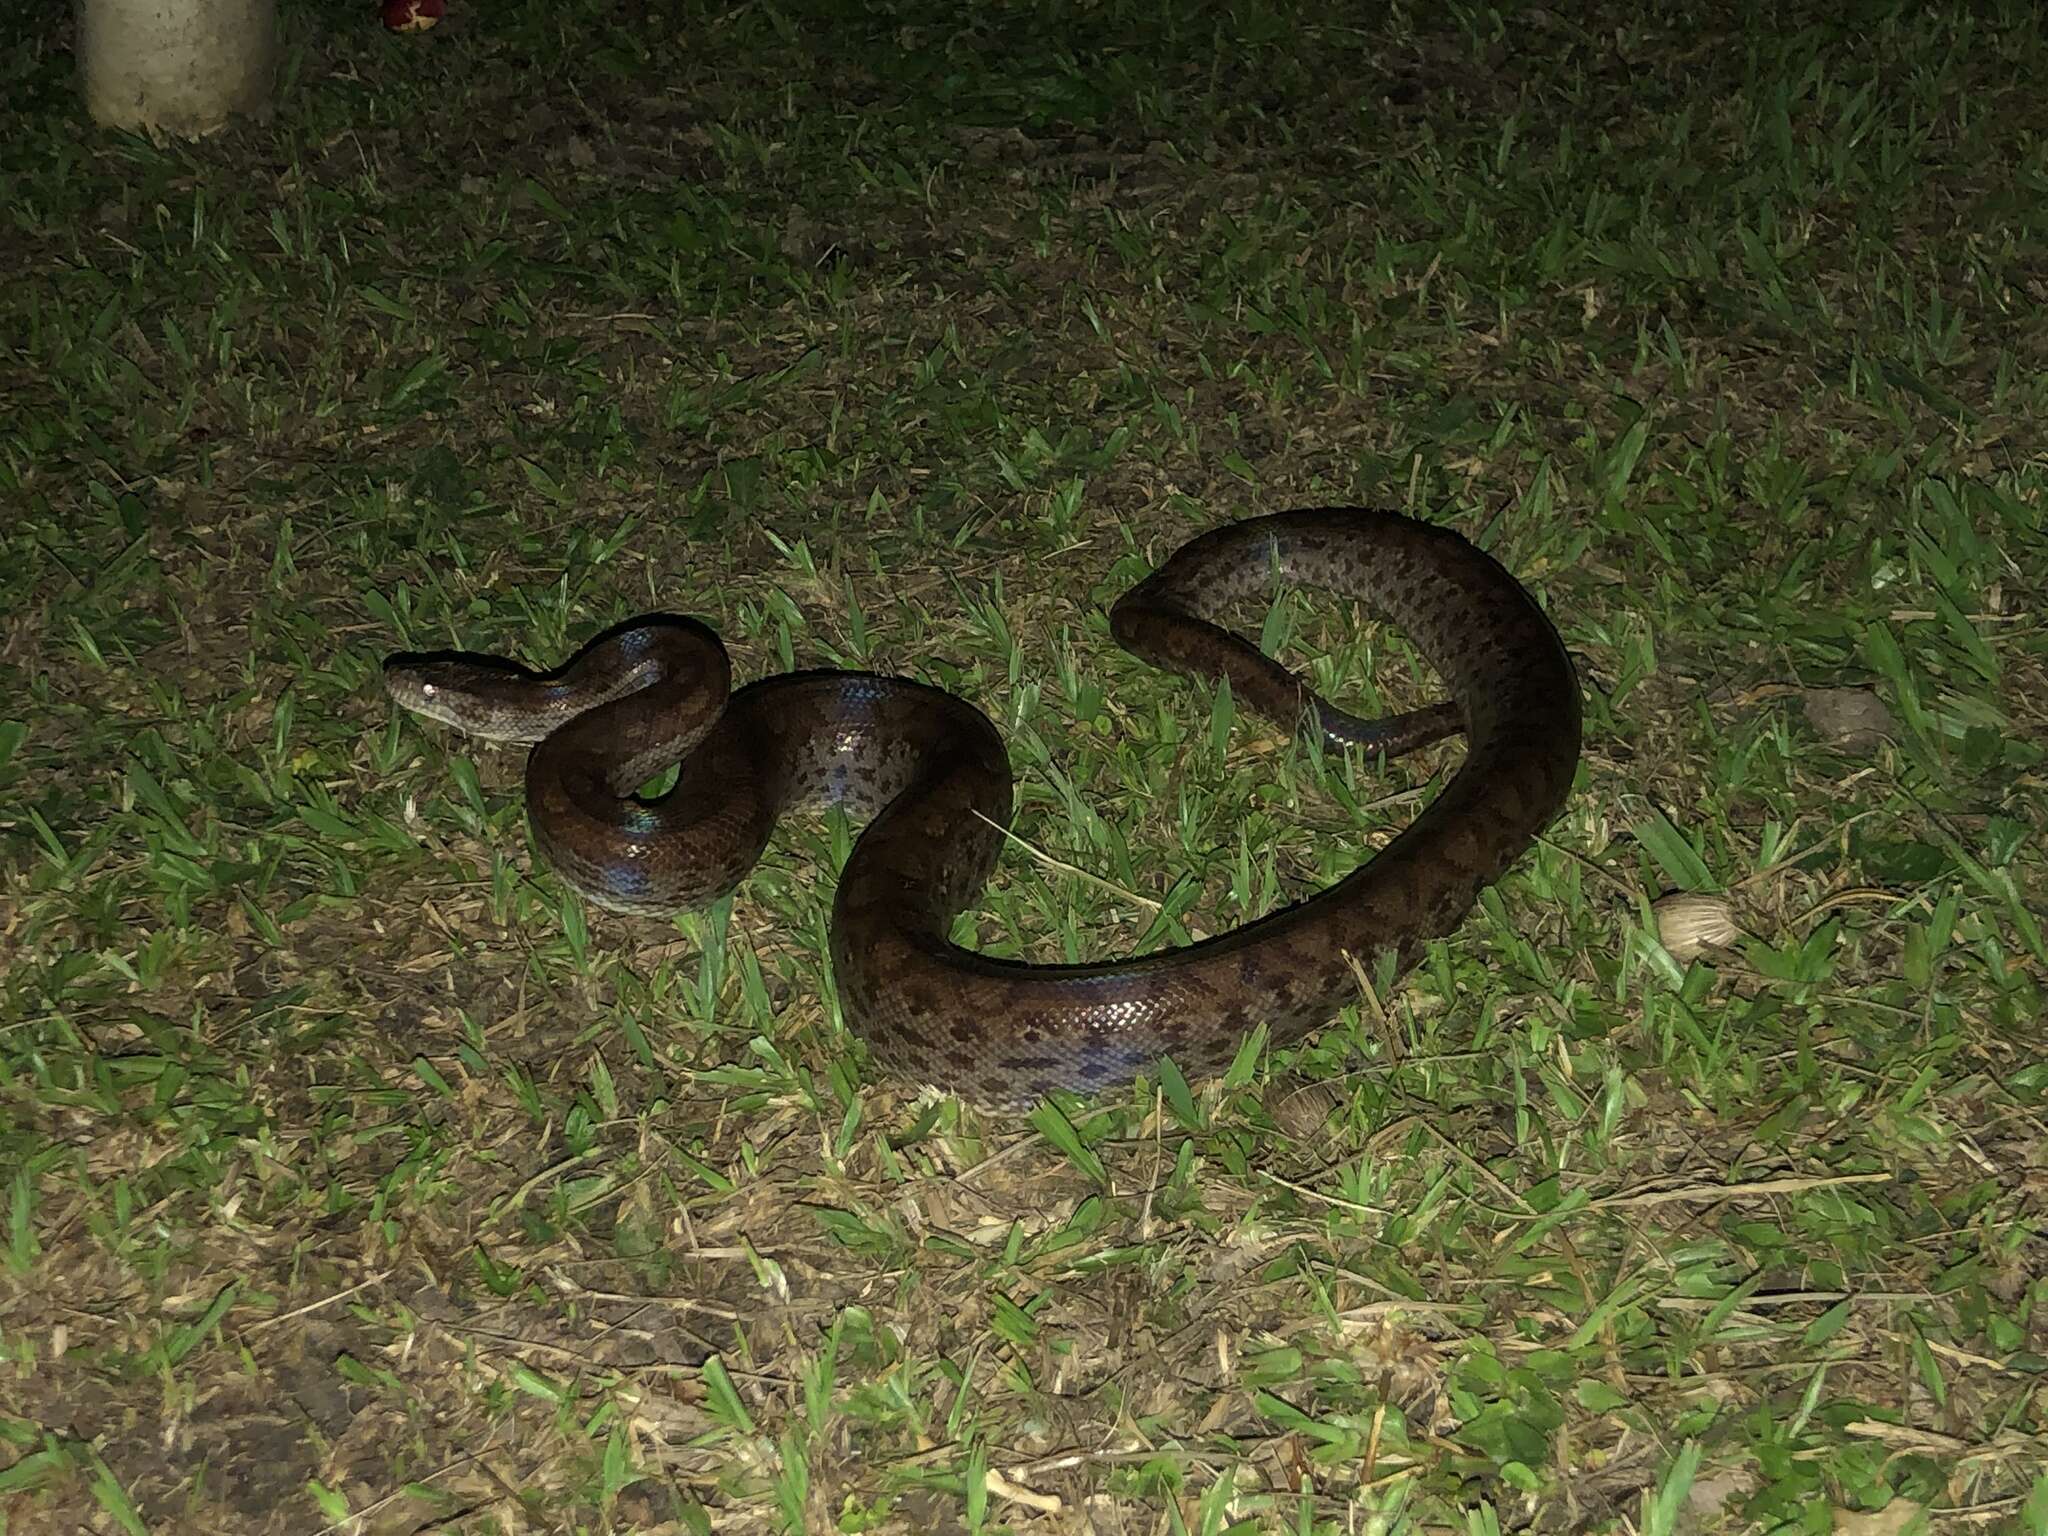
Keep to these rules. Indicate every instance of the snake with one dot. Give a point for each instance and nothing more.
(928, 774)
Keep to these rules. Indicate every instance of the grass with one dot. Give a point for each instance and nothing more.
(353, 1178)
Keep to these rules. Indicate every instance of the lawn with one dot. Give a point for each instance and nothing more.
(355, 1177)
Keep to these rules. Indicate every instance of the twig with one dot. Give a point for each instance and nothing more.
(1714, 1192)
(315, 1306)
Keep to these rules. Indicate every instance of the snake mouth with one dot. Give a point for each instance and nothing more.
(408, 685)
(421, 698)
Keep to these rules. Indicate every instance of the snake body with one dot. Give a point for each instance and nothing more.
(932, 776)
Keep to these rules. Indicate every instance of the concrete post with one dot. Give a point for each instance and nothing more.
(176, 67)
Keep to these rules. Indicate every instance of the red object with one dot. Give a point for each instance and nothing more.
(413, 15)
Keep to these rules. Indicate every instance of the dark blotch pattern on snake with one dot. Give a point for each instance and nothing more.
(930, 772)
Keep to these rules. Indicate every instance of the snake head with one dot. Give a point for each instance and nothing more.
(475, 695)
